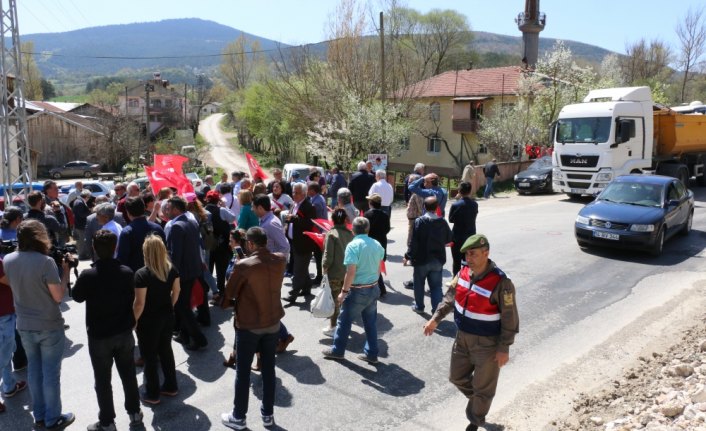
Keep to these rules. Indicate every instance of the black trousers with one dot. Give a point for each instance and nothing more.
(457, 256)
(219, 258)
(246, 344)
(301, 281)
(185, 319)
(154, 336)
(103, 351)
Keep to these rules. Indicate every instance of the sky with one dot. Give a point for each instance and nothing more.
(610, 24)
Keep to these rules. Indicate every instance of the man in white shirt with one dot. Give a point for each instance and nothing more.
(230, 201)
(105, 214)
(384, 189)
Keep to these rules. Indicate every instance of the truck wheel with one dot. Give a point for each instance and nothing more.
(657, 247)
(573, 196)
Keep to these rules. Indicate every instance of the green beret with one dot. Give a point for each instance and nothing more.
(475, 241)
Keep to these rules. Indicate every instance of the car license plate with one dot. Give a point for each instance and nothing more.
(578, 191)
(524, 184)
(606, 235)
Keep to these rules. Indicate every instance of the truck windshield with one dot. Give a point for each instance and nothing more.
(583, 130)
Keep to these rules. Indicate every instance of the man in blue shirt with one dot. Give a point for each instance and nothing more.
(360, 293)
(431, 188)
(133, 236)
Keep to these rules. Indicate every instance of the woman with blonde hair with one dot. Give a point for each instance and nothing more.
(247, 217)
(156, 292)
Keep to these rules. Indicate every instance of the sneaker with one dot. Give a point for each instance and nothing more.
(417, 310)
(368, 359)
(64, 420)
(268, 421)
(228, 420)
(168, 393)
(149, 400)
(329, 354)
(408, 285)
(329, 330)
(99, 427)
(136, 419)
(19, 386)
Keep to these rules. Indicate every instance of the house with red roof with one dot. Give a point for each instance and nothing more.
(455, 102)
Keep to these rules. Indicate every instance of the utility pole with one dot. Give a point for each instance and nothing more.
(16, 162)
(383, 96)
(149, 87)
(184, 122)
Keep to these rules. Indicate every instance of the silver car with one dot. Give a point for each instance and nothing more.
(76, 168)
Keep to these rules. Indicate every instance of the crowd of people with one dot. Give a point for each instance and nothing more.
(161, 259)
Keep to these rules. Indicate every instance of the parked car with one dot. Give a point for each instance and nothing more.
(304, 170)
(16, 187)
(97, 188)
(76, 168)
(536, 178)
(142, 182)
(636, 211)
(195, 180)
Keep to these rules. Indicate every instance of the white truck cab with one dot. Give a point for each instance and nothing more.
(607, 135)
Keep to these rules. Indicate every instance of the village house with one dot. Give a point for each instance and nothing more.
(455, 102)
(168, 107)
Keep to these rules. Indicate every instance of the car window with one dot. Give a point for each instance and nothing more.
(681, 190)
(93, 188)
(70, 165)
(673, 192)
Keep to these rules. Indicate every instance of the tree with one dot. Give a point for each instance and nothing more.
(48, 90)
(645, 63)
(31, 73)
(692, 40)
(239, 60)
(365, 128)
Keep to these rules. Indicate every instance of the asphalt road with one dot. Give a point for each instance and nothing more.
(531, 237)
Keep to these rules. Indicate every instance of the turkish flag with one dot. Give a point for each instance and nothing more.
(323, 224)
(318, 238)
(160, 178)
(255, 169)
(170, 162)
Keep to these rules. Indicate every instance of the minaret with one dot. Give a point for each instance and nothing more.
(530, 23)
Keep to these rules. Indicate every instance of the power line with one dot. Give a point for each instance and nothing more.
(36, 18)
(80, 12)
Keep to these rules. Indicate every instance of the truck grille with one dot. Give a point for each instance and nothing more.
(579, 161)
(575, 185)
(579, 176)
(609, 225)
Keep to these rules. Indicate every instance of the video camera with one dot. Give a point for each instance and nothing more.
(7, 246)
(64, 253)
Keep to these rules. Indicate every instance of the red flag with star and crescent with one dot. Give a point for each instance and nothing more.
(255, 169)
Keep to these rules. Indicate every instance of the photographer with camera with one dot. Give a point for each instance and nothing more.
(38, 290)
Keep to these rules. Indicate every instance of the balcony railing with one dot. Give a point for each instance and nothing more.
(465, 125)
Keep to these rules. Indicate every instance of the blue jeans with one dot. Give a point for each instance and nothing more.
(7, 348)
(361, 302)
(488, 187)
(45, 350)
(246, 344)
(431, 272)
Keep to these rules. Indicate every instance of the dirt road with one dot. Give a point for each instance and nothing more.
(222, 153)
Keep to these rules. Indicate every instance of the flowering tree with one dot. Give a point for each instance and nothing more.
(362, 128)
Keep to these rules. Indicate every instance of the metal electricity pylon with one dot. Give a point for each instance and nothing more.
(16, 166)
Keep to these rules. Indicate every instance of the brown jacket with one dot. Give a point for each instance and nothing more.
(255, 284)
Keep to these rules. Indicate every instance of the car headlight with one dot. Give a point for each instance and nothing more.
(583, 220)
(543, 177)
(642, 228)
(515, 178)
(604, 176)
(557, 174)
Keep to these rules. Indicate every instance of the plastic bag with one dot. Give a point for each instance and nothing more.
(323, 306)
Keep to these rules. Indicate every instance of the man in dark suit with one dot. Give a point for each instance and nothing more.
(183, 244)
(463, 215)
(133, 235)
(359, 185)
(81, 213)
(298, 222)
